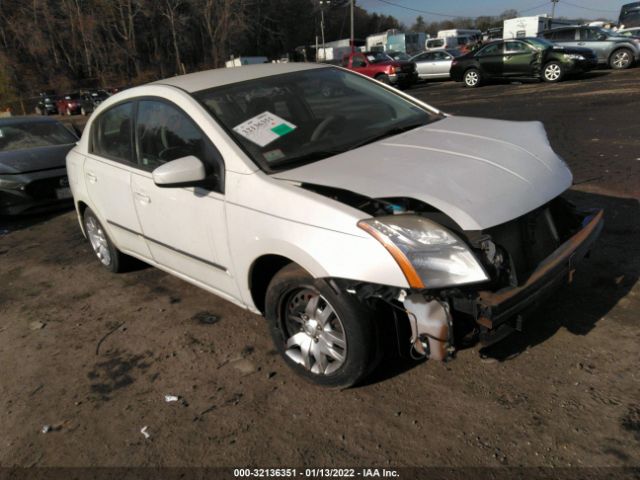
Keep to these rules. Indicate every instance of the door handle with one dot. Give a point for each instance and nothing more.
(92, 178)
(142, 197)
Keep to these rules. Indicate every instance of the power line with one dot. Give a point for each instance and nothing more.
(446, 15)
(586, 8)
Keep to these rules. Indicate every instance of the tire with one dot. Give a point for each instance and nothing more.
(108, 255)
(472, 78)
(553, 72)
(621, 59)
(384, 78)
(342, 345)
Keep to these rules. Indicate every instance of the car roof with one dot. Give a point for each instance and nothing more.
(4, 121)
(193, 82)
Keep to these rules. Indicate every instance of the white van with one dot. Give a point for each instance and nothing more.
(447, 43)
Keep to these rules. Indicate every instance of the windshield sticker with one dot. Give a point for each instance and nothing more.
(264, 128)
(273, 155)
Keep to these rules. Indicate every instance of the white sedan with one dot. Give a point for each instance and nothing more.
(342, 220)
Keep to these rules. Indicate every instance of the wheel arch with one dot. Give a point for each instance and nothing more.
(261, 272)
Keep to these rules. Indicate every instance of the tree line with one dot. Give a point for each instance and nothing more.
(70, 44)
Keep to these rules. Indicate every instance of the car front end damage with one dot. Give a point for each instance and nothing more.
(525, 260)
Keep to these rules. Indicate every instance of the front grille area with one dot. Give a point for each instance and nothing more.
(527, 240)
(45, 189)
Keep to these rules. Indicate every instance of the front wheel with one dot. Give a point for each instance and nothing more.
(326, 337)
(110, 257)
(384, 78)
(472, 78)
(553, 72)
(621, 59)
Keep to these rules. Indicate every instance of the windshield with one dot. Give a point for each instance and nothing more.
(284, 121)
(377, 57)
(540, 43)
(22, 135)
(399, 56)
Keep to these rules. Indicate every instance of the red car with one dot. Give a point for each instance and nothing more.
(69, 104)
(382, 67)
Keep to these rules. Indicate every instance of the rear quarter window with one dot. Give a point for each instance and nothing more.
(111, 134)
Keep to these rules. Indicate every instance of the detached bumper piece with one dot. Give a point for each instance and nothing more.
(492, 309)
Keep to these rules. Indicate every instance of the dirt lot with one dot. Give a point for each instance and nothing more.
(92, 354)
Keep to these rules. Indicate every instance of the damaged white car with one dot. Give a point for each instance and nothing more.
(340, 217)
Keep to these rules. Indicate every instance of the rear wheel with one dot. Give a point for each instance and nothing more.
(110, 257)
(621, 59)
(553, 72)
(328, 338)
(472, 78)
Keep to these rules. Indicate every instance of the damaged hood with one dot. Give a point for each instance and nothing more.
(479, 172)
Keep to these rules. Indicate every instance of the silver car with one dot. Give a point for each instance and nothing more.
(616, 51)
(435, 64)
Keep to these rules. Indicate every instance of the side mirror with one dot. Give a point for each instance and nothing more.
(181, 172)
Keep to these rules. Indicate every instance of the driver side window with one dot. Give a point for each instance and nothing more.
(358, 62)
(165, 133)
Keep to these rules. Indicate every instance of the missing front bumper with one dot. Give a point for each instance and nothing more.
(494, 308)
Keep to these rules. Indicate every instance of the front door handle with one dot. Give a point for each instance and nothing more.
(92, 178)
(142, 197)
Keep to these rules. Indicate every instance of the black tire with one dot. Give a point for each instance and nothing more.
(384, 78)
(117, 260)
(472, 78)
(358, 325)
(621, 59)
(553, 72)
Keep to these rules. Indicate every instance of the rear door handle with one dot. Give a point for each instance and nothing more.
(142, 197)
(92, 178)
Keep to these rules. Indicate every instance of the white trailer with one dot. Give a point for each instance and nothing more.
(530, 26)
(239, 61)
(460, 32)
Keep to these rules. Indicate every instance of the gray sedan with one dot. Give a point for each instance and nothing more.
(434, 64)
(33, 175)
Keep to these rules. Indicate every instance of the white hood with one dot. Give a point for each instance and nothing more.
(479, 172)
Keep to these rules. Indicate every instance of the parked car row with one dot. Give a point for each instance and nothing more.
(552, 56)
(83, 102)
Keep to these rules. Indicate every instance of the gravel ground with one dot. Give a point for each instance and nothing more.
(91, 355)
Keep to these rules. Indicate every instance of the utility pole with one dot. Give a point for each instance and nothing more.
(553, 8)
(322, 3)
(352, 34)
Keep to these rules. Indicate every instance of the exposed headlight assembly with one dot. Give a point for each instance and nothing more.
(429, 255)
(574, 56)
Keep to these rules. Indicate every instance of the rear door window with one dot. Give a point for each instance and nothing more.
(112, 134)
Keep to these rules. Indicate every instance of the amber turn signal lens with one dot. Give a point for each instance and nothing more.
(401, 259)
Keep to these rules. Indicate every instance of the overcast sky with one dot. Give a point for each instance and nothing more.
(472, 8)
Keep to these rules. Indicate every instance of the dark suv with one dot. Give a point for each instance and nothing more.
(90, 101)
(521, 58)
(616, 51)
(47, 104)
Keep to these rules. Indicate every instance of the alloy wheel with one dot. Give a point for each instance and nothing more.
(552, 72)
(471, 78)
(315, 335)
(98, 240)
(621, 59)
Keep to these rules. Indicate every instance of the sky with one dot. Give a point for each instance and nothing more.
(590, 9)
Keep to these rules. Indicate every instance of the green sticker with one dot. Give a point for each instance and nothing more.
(282, 129)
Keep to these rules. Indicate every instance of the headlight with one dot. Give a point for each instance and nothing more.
(429, 255)
(574, 56)
(10, 184)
